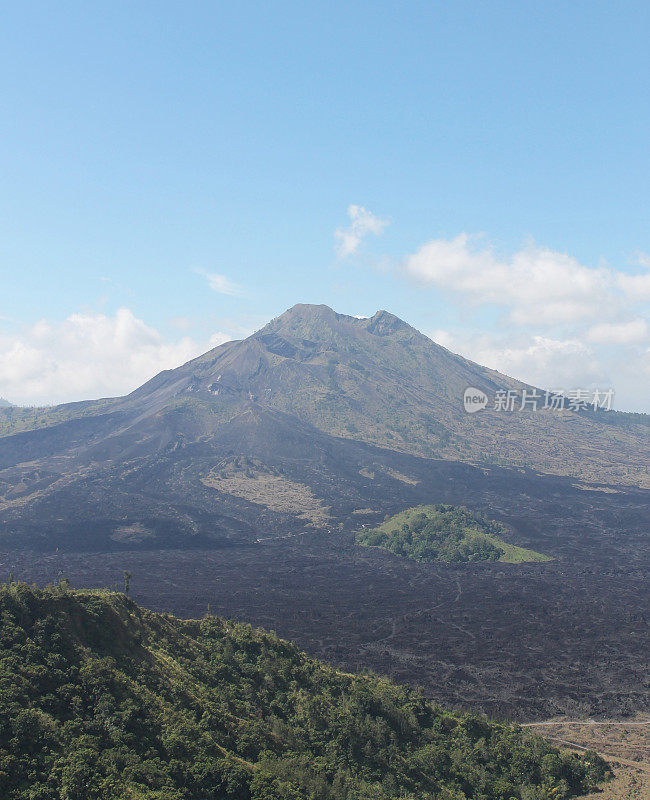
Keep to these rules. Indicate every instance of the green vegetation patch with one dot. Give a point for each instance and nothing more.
(445, 533)
(19, 419)
(103, 700)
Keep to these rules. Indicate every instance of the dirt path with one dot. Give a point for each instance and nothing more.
(580, 722)
(607, 756)
(624, 744)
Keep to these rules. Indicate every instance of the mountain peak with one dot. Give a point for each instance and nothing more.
(312, 321)
(310, 309)
(306, 312)
(383, 323)
(308, 322)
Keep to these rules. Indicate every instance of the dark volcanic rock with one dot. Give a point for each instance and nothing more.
(239, 478)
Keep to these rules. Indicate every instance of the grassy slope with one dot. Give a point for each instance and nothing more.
(512, 554)
(17, 419)
(102, 699)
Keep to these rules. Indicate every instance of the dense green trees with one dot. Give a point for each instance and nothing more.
(445, 533)
(100, 700)
(437, 533)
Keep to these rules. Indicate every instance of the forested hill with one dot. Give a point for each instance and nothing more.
(101, 699)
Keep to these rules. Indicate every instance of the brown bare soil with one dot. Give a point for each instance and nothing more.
(625, 745)
(273, 491)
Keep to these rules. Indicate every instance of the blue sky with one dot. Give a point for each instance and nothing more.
(147, 146)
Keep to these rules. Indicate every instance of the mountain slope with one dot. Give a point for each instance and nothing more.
(102, 699)
(376, 380)
(380, 381)
(311, 395)
(224, 481)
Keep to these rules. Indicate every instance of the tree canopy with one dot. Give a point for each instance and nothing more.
(445, 533)
(101, 699)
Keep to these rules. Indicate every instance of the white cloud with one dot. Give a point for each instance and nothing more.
(635, 287)
(444, 338)
(560, 364)
(362, 223)
(565, 325)
(551, 363)
(216, 340)
(635, 330)
(537, 285)
(642, 259)
(180, 323)
(542, 361)
(220, 283)
(88, 356)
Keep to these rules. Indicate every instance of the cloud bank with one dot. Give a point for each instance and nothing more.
(88, 356)
(536, 285)
(563, 325)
